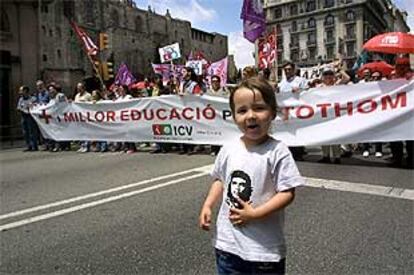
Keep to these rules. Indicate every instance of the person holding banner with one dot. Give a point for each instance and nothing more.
(293, 83)
(83, 96)
(329, 79)
(402, 70)
(255, 177)
(189, 86)
(30, 133)
(216, 89)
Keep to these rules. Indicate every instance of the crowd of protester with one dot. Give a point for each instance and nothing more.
(330, 75)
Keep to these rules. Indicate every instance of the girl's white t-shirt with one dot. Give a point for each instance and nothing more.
(255, 174)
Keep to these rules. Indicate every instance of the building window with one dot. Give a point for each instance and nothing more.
(312, 53)
(350, 49)
(329, 20)
(294, 40)
(138, 24)
(279, 42)
(278, 13)
(114, 18)
(69, 8)
(311, 23)
(294, 56)
(58, 32)
(50, 33)
(44, 8)
(329, 3)
(312, 37)
(44, 30)
(294, 26)
(44, 57)
(59, 54)
(278, 29)
(329, 35)
(350, 16)
(4, 22)
(330, 52)
(89, 12)
(310, 5)
(350, 31)
(293, 9)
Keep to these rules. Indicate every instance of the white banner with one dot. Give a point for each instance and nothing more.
(366, 112)
(169, 52)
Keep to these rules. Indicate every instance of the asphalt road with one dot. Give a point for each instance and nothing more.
(137, 214)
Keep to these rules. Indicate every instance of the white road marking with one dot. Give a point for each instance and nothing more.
(94, 203)
(361, 188)
(202, 169)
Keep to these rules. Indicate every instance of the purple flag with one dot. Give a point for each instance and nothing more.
(254, 21)
(124, 76)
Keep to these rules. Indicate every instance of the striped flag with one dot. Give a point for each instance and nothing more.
(87, 42)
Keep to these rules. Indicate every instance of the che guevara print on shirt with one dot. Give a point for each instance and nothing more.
(240, 186)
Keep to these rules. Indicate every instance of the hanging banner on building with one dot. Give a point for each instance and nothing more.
(170, 52)
(367, 112)
(267, 50)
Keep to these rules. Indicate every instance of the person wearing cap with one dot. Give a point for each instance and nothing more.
(329, 78)
(402, 70)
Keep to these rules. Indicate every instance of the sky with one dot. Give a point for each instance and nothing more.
(223, 16)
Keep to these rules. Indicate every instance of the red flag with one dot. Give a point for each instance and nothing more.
(87, 42)
(267, 50)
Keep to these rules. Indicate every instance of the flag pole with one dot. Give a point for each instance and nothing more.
(276, 57)
(89, 57)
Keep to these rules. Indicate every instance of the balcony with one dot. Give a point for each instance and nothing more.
(329, 41)
(349, 55)
(311, 43)
(350, 37)
(293, 46)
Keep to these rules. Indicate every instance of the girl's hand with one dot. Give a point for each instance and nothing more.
(243, 215)
(204, 220)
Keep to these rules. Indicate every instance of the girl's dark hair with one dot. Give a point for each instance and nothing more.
(262, 86)
(193, 76)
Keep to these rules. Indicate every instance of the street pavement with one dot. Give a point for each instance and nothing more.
(114, 213)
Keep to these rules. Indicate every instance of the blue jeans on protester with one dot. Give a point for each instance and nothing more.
(228, 263)
(29, 132)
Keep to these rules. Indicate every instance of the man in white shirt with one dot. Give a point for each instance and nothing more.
(293, 84)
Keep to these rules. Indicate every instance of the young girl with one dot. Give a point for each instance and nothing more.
(255, 175)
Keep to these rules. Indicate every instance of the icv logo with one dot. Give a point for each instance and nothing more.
(171, 130)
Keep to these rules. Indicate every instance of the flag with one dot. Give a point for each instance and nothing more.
(361, 60)
(219, 68)
(124, 76)
(87, 42)
(267, 50)
(254, 22)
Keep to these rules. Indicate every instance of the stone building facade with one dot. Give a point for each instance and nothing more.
(314, 31)
(37, 42)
